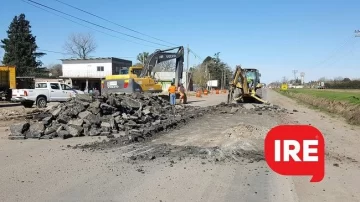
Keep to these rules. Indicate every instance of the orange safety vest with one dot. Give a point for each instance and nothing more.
(172, 89)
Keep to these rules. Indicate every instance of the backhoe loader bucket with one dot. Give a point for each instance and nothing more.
(247, 98)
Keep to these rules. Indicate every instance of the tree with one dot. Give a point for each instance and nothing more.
(198, 75)
(322, 79)
(55, 70)
(20, 47)
(141, 57)
(80, 45)
(166, 66)
(212, 68)
(339, 78)
(215, 69)
(138, 64)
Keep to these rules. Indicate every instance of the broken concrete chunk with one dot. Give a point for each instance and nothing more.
(74, 131)
(19, 128)
(105, 125)
(64, 134)
(36, 130)
(76, 122)
(56, 112)
(84, 97)
(63, 119)
(94, 132)
(84, 114)
(47, 120)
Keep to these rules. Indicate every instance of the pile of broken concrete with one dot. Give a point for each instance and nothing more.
(134, 116)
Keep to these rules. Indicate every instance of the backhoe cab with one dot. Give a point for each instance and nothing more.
(245, 86)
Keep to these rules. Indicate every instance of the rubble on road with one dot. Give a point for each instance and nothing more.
(137, 115)
(122, 117)
(211, 154)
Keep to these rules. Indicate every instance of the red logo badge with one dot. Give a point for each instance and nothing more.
(296, 150)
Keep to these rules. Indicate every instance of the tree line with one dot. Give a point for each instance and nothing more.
(345, 84)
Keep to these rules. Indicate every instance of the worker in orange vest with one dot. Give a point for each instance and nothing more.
(172, 93)
(181, 89)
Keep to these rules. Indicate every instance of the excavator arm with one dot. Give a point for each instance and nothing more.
(164, 55)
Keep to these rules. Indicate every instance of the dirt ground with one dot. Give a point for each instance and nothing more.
(168, 169)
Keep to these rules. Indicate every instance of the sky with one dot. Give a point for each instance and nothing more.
(312, 36)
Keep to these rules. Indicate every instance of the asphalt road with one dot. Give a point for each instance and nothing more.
(47, 170)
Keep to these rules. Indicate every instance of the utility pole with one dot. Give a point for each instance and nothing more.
(294, 72)
(224, 79)
(187, 58)
(187, 69)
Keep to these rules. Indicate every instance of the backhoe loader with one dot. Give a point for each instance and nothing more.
(245, 86)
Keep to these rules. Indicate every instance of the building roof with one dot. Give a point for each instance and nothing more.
(99, 58)
(96, 60)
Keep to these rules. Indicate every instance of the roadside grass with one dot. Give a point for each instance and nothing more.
(345, 103)
(335, 95)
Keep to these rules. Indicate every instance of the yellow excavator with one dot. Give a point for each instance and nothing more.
(140, 78)
(245, 86)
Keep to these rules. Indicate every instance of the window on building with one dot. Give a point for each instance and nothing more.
(55, 86)
(100, 68)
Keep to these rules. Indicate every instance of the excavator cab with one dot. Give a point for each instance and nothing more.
(140, 78)
(245, 86)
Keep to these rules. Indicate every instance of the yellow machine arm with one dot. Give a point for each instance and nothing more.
(243, 86)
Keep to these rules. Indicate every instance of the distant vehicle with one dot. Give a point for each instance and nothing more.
(43, 93)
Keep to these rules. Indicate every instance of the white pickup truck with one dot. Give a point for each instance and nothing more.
(43, 93)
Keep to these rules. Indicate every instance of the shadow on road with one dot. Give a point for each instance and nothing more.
(189, 102)
(3, 105)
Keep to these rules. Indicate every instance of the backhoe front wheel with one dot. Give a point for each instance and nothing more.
(41, 102)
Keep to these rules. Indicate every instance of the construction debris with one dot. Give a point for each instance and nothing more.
(136, 115)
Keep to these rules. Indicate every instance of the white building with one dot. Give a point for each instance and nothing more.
(86, 74)
(165, 78)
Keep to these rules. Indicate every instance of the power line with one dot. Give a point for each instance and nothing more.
(58, 52)
(196, 55)
(343, 55)
(335, 52)
(86, 25)
(50, 51)
(87, 12)
(95, 23)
